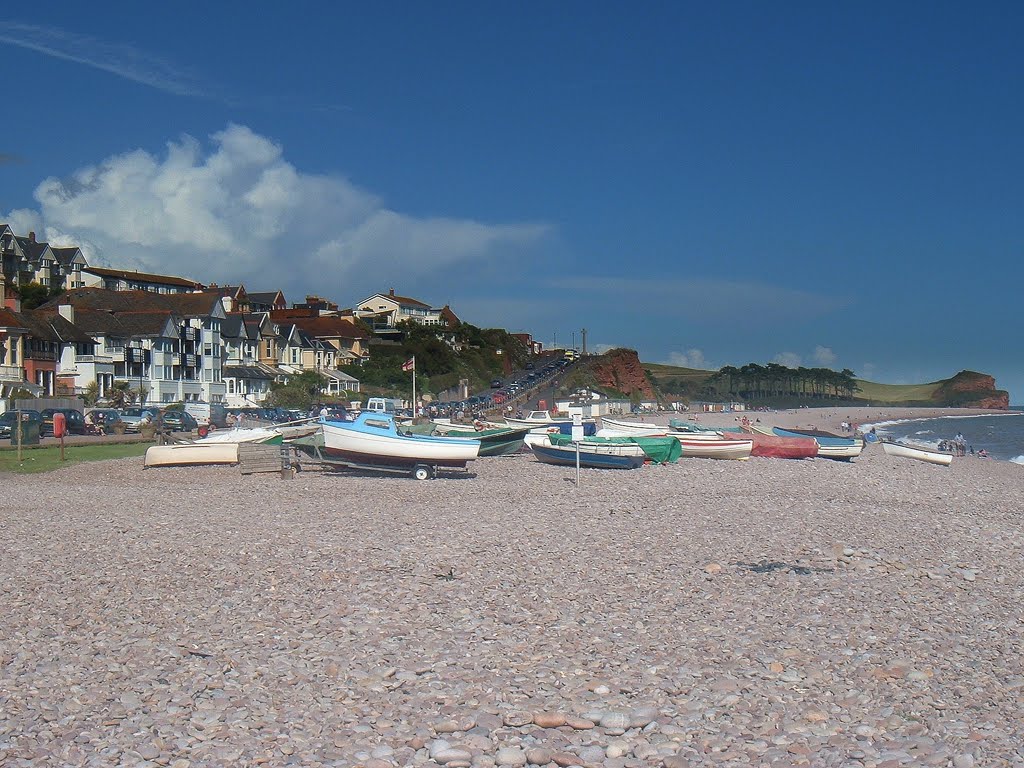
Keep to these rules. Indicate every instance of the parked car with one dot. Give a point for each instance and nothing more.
(496, 384)
(134, 418)
(179, 421)
(7, 420)
(74, 421)
(101, 421)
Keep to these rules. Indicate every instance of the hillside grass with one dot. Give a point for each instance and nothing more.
(896, 393)
(871, 392)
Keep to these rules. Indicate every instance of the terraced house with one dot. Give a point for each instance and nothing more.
(166, 346)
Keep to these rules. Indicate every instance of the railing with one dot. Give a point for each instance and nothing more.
(96, 358)
(12, 373)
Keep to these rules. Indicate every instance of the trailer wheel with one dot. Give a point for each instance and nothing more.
(421, 472)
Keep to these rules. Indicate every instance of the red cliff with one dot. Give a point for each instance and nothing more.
(969, 389)
(621, 370)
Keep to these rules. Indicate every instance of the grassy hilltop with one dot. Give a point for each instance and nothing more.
(966, 389)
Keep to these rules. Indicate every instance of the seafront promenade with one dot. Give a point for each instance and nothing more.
(705, 613)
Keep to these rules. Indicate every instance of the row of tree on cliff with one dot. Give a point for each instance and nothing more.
(753, 382)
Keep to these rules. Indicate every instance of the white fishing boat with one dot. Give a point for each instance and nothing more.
(537, 419)
(241, 435)
(917, 452)
(185, 454)
(714, 449)
(372, 440)
(621, 427)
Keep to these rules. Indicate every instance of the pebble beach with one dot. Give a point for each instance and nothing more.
(706, 613)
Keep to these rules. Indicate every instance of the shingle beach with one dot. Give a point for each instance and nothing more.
(764, 613)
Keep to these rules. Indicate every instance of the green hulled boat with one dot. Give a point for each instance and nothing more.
(660, 450)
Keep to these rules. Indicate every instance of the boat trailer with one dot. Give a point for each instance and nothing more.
(419, 471)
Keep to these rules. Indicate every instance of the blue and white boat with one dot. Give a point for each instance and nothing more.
(374, 440)
(591, 454)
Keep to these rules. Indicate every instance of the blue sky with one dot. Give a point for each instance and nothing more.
(709, 184)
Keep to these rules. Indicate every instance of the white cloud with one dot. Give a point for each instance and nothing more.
(239, 211)
(789, 359)
(691, 358)
(824, 356)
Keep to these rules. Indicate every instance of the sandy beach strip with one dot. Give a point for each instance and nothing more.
(828, 419)
(707, 613)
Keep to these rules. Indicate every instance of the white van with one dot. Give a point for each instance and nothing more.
(384, 405)
(207, 414)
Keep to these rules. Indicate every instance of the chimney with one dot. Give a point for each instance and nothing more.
(391, 292)
(31, 237)
(67, 312)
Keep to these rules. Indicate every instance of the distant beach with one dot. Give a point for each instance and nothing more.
(831, 419)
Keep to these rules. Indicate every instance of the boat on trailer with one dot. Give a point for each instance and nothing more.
(917, 452)
(373, 441)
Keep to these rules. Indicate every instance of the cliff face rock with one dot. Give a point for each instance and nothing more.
(620, 369)
(969, 389)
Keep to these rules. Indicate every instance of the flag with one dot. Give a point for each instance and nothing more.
(410, 364)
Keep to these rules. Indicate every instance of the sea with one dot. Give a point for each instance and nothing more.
(1002, 436)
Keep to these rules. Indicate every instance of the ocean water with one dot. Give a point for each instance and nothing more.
(1001, 436)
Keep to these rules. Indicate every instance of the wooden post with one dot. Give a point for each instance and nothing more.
(286, 462)
(17, 425)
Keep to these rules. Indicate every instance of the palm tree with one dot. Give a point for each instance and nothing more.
(121, 394)
(91, 396)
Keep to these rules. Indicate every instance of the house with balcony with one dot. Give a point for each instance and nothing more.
(348, 338)
(24, 260)
(233, 297)
(166, 344)
(384, 311)
(267, 301)
(129, 280)
(53, 341)
(71, 261)
(247, 379)
(12, 352)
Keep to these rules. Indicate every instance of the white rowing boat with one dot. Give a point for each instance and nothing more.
(618, 427)
(184, 454)
(714, 449)
(916, 452)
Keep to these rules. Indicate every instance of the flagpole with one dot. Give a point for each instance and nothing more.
(414, 387)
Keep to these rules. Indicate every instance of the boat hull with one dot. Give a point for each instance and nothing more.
(639, 428)
(186, 454)
(495, 442)
(738, 450)
(829, 446)
(775, 447)
(566, 456)
(374, 440)
(920, 454)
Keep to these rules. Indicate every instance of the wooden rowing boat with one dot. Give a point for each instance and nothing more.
(184, 454)
(714, 449)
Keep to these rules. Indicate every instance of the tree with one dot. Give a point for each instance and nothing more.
(121, 394)
(34, 295)
(299, 392)
(91, 396)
